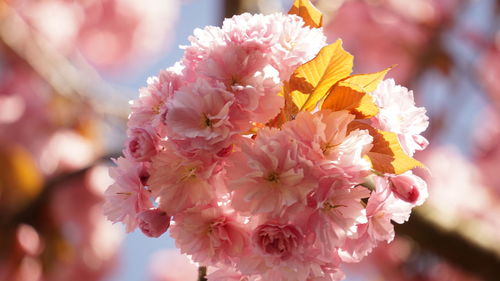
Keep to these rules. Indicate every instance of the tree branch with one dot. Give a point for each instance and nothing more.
(453, 244)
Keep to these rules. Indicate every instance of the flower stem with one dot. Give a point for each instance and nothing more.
(202, 273)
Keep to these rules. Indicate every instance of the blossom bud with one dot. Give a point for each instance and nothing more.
(142, 145)
(406, 187)
(154, 222)
(421, 142)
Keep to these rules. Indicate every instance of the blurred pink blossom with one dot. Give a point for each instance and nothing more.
(367, 28)
(109, 33)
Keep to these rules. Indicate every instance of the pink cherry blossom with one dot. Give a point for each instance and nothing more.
(210, 235)
(281, 241)
(294, 43)
(126, 197)
(149, 109)
(324, 139)
(282, 251)
(198, 117)
(256, 202)
(252, 32)
(142, 144)
(153, 222)
(398, 114)
(382, 208)
(336, 212)
(267, 174)
(232, 64)
(180, 183)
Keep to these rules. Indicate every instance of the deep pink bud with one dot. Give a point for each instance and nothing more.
(225, 151)
(141, 145)
(405, 187)
(421, 142)
(154, 222)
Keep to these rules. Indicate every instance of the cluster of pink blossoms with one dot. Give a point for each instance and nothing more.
(252, 201)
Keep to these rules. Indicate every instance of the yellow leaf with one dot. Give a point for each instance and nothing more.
(386, 155)
(317, 76)
(310, 14)
(356, 102)
(365, 82)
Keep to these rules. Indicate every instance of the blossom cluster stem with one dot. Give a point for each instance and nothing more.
(202, 273)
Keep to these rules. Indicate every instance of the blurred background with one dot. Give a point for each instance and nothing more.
(69, 67)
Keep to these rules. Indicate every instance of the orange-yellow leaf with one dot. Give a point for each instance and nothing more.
(299, 98)
(310, 14)
(317, 76)
(386, 155)
(345, 98)
(365, 82)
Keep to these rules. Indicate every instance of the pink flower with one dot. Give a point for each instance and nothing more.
(203, 41)
(127, 197)
(210, 235)
(142, 144)
(296, 43)
(232, 64)
(180, 183)
(257, 98)
(324, 139)
(267, 175)
(281, 251)
(382, 208)
(281, 241)
(149, 109)
(252, 32)
(153, 222)
(198, 117)
(256, 202)
(398, 114)
(337, 210)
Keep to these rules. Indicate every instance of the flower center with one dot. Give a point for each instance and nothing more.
(207, 122)
(273, 177)
(327, 147)
(190, 173)
(327, 206)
